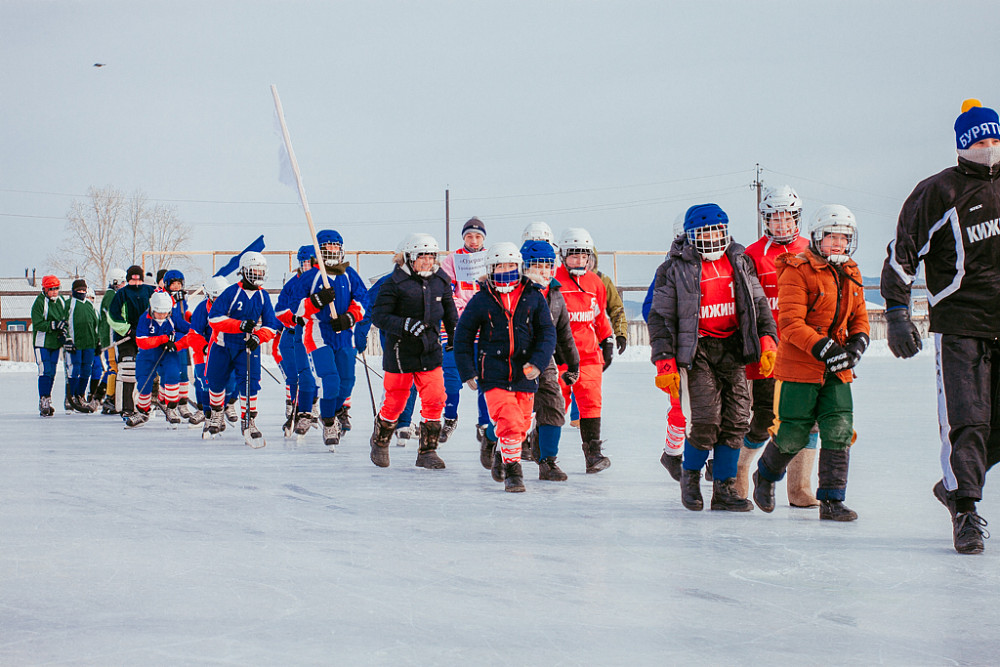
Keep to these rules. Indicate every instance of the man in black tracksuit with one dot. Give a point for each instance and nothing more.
(951, 222)
(127, 306)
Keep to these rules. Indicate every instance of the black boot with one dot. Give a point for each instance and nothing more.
(526, 449)
(763, 492)
(691, 490)
(590, 432)
(724, 496)
(836, 510)
(970, 529)
(427, 456)
(344, 415)
(770, 470)
(380, 442)
(672, 464)
(513, 478)
(497, 469)
(942, 494)
(486, 449)
(549, 471)
(708, 470)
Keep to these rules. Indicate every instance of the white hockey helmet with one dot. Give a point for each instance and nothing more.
(538, 231)
(576, 241)
(779, 200)
(416, 245)
(160, 302)
(116, 277)
(253, 268)
(833, 219)
(503, 253)
(214, 286)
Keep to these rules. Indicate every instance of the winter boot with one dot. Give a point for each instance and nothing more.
(303, 423)
(331, 433)
(447, 429)
(836, 510)
(526, 449)
(403, 434)
(380, 442)
(691, 490)
(724, 497)
(251, 434)
(172, 415)
(550, 472)
(497, 471)
(743, 466)
(763, 492)
(137, 419)
(708, 470)
(970, 529)
(942, 495)
(513, 478)
(230, 411)
(672, 464)
(344, 415)
(45, 406)
(590, 433)
(427, 456)
(799, 484)
(770, 470)
(487, 449)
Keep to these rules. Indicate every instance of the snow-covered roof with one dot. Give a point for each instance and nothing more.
(16, 307)
(22, 284)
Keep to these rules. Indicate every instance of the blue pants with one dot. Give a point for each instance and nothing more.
(574, 411)
(47, 361)
(335, 370)
(453, 387)
(226, 361)
(201, 388)
(295, 366)
(168, 369)
(81, 367)
(97, 372)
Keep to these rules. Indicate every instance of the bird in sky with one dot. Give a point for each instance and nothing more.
(99, 64)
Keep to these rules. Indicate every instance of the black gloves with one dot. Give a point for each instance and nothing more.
(342, 322)
(904, 339)
(856, 346)
(833, 355)
(413, 326)
(69, 346)
(608, 351)
(59, 326)
(247, 326)
(300, 321)
(570, 377)
(622, 342)
(322, 297)
(252, 343)
(170, 346)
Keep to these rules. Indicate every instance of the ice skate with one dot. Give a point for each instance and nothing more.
(252, 435)
(303, 424)
(197, 418)
(216, 423)
(447, 429)
(45, 406)
(184, 410)
(344, 416)
(331, 433)
(403, 434)
(427, 456)
(173, 416)
(108, 406)
(550, 472)
(136, 419)
(231, 415)
(380, 442)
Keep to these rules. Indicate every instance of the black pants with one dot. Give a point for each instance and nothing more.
(719, 395)
(968, 382)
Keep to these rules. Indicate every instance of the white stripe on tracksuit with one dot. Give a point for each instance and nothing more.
(950, 481)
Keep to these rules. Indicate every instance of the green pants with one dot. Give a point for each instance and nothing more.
(800, 405)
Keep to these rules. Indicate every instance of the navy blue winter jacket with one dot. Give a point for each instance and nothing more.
(507, 341)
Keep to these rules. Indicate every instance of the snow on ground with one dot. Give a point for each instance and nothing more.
(153, 547)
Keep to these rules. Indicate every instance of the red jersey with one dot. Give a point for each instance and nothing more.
(763, 254)
(586, 303)
(717, 314)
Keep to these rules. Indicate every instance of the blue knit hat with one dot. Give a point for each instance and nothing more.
(473, 224)
(975, 123)
(702, 215)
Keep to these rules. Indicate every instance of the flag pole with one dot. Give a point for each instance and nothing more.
(298, 183)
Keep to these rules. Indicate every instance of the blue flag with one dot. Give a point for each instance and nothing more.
(234, 263)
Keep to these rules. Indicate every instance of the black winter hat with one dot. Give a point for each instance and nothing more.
(473, 224)
(134, 271)
(79, 285)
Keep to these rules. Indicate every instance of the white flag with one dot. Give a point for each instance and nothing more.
(285, 172)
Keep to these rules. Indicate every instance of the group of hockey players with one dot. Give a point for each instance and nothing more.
(754, 346)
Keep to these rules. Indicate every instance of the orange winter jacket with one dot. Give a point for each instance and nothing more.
(817, 302)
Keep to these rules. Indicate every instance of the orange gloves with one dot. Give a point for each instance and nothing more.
(767, 356)
(667, 377)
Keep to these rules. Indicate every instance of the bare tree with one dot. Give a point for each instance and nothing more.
(110, 228)
(92, 235)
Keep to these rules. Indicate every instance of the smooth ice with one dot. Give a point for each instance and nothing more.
(153, 547)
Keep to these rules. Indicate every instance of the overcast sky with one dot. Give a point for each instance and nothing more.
(614, 116)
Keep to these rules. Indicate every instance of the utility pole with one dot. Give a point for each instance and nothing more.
(757, 185)
(447, 220)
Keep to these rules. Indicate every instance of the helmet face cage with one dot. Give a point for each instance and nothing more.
(413, 255)
(160, 303)
(333, 253)
(711, 241)
(772, 216)
(820, 233)
(503, 281)
(539, 270)
(566, 252)
(253, 268)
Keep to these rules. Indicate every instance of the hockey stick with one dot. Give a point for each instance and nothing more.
(246, 407)
(369, 378)
(367, 367)
(152, 371)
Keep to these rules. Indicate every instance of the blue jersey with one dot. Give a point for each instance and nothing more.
(150, 335)
(237, 305)
(349, 297)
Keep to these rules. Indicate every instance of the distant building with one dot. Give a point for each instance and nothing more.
(16, 298)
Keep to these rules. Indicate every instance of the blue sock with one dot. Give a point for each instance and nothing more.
(813, 441)
(491, 433)
(725, 462)
(548, 440)
(694, 458)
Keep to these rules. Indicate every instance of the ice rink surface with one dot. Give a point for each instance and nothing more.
(153, 547)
